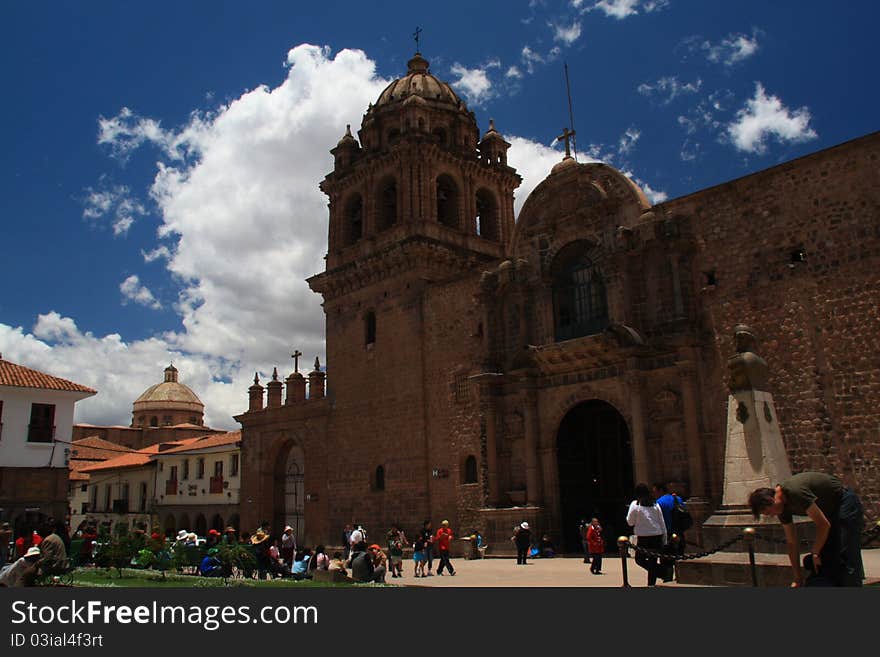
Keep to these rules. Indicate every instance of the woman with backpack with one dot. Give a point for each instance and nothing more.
(646, 518)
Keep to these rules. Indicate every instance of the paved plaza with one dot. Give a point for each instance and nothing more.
(567, 572)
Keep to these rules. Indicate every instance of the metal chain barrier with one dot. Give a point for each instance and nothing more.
(749, 535)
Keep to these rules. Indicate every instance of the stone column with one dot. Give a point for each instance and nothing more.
(530, 418)
(273, 394)
(316, 381)
(640, 446)
(491, 445)
(255, 394)
(696, 468)
(296, 388)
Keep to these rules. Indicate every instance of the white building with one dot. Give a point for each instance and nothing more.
(187, 484)
(36, 420)
(199, 484)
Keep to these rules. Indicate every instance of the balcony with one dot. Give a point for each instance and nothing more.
(40, 433)
(171, 486)
(216, 485)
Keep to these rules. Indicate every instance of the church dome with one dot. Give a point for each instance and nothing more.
(420, 83)
(168, 403)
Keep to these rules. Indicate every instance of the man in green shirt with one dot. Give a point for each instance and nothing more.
(837, 514)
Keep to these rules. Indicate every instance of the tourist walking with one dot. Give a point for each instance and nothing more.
(583, 528)
(646, 518)
(443, 538)
(428, 538)
(395, 552)
(522, 538)
(834, 509)
(419, 557)
(596, 545)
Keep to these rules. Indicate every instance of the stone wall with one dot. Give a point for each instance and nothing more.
(795, 252)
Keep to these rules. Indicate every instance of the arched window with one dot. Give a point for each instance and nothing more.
(379, 478)
(487, 215)
(470, 469)
(370, 328)
(393, 136)
(387, 204)
(441, 136)
(154, 421)
(580, 306)
(447, 201)
(353, 225)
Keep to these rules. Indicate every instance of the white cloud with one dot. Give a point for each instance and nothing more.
(627, 141)
(621, 9)
(668, 88)
(242, 225)
(567, 34)
(731, 50)
(474, 82)
(120, 371)
(115, 203)
(765, 116)
(160, 252)
(530, 58)
(513, 72)
(133, 290)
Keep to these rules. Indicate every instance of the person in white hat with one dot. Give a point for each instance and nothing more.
(288, 546)
(23, 571)
(522, 537)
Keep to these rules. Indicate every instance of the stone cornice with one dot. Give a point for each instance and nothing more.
(431, 259)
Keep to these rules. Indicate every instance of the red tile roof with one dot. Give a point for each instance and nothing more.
(93, 448)
(136, 459)
(24, 377)
(90, 451)
(203, 442)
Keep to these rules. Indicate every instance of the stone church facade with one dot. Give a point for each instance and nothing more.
(488, 371)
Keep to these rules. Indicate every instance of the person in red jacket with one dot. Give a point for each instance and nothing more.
(442, 540)
(596, 544)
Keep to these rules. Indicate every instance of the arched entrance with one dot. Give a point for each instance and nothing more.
(594, 453)
(289, 491)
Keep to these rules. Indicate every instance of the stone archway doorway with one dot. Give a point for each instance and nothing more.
(594, 453)
(289, 491)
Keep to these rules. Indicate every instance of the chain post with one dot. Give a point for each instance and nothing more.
(622, 544)
(749, 537)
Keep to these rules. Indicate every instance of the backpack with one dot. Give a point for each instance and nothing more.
(681, 517)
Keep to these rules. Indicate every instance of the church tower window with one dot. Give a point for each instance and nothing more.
(354, 219)
(387, 204)
(447, 201)
(470, 469)
(580, 306)
(379, 479)
(487, 215)
(370, 329)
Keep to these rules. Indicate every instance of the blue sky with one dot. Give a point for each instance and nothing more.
(161, 160)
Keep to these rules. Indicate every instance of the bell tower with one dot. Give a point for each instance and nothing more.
(418, 174)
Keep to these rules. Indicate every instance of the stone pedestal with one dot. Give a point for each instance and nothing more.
(754, 457)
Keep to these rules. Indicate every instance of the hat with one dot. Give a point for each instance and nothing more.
(32, 552)
(213, 551)
(288, 528)
(213, 532)
(229, 529)
(155, 536)
(445, 523)
(524, 525)
(182, 534)
(259, 537)
(375, 547)
(191, 536)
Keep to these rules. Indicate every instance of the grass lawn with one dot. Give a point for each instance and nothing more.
(150, 579)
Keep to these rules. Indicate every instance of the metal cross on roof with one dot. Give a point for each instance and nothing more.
(295, 355)
(416, 36)
(566, 135)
